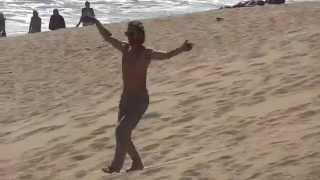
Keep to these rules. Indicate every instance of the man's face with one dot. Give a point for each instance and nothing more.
(87, 5)
(134, 36)
(55, 12)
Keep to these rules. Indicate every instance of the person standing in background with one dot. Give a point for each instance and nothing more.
(86, 12)
(35, 23)
(56, 21)
(2, 25)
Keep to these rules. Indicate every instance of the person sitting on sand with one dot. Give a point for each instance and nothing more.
(56, 21)
(2, 25)
(86, 12)
(134, 99)
(249, 3)
(35, 23)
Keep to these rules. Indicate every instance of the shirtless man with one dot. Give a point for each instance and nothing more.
(134, 99)
(86, 12)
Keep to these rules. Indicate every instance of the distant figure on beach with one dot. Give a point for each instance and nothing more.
(2, 25)
(134, 99)
(35, 23)
(56, 21)
(249, 3)
(275, 1)
(85, 13)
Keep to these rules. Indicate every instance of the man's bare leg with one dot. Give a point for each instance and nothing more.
(134, 155)
(123, 136)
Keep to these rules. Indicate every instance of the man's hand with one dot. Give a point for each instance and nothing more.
(186, 46)
(158, 55)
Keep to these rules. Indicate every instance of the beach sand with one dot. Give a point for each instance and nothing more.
(244, 104)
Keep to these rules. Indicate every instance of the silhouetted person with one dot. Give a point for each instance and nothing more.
(86, 12)
(134, 99)
(56, 21)
(35, 23)
(2, 25)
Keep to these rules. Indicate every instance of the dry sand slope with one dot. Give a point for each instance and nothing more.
(243, 105)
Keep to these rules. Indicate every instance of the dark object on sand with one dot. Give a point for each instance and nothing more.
(275, 1)
(219, 18)
(247, 3)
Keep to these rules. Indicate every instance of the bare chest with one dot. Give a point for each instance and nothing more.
(135, 59)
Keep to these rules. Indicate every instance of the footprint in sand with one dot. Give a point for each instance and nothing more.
(101, 130)
(191, 172)
(26, 176)
(81, 157)
(297, 108)
(206, 84)
(100, 144)
(230, 73)
(184, 119)
(277, 176)
(163, 178)
(59, 150)
(257, 64)
(221, 110)
(314, 135)
(154, 170)
(83, 139)
(37, 131)
(254, 100)
(86, 120)
(150, 147)
(308, 114)
(55, 140)
(80, 174)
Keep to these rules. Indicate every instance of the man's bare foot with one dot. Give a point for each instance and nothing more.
(110, 170)
(135, 168)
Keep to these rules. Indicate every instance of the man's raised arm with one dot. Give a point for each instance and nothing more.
(158, 55)
(107, 36)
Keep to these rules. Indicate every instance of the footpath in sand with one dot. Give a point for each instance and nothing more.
(244, 104)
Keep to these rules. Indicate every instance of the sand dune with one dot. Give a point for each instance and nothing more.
(243, 105)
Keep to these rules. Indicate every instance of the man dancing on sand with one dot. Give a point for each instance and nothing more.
(134, 99)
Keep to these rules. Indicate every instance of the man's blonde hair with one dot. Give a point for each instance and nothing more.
(139, 26)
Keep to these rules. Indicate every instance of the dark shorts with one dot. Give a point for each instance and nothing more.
(132, 108)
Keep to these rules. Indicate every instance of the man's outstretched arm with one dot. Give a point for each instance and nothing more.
(107, 36)
(158, 55)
